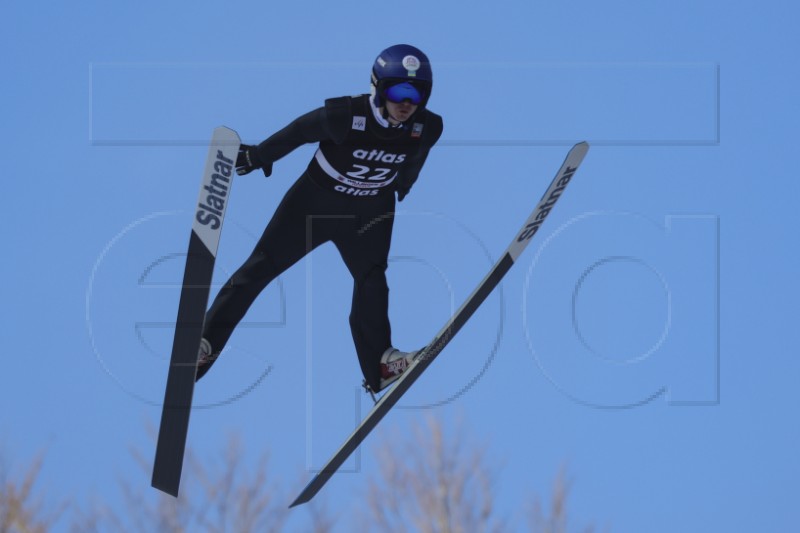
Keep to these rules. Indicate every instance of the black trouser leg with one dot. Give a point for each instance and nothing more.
(283, 243)
(366, 254)
(307, 217)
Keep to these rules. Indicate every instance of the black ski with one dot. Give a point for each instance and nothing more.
(206, 229)
(456, 322)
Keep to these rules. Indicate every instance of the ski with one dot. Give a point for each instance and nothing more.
(203, 242)
(456, 322)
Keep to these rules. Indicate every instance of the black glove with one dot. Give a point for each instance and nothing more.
(401, 193)
(247, 161)
(244, 162)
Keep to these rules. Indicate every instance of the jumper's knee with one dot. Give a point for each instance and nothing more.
(373, 279)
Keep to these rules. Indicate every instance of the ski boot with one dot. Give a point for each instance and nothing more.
(393, 364)
(205, 358)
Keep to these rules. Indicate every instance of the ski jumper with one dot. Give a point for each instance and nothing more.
(345, 196)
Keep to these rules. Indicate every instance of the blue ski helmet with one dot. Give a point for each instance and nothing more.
(402, 64)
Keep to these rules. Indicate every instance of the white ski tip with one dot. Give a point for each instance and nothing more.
(216, 186)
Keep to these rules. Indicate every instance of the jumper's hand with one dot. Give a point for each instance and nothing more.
(245, 160)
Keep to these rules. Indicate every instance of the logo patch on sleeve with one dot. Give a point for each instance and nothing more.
(360, 123)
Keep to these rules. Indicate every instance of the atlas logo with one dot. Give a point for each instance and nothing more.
(355, 192)
(211, 208)
(379, 155)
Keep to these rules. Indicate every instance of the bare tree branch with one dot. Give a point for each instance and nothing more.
(555, 517)
(20, 510)
(431, 479)
(430, 483)
(219, 494)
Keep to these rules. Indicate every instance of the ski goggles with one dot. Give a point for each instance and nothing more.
(402, 92)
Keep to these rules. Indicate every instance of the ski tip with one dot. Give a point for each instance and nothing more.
(225, 136)
(579, 150)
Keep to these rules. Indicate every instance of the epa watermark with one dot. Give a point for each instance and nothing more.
(132, 300)
(620, 309)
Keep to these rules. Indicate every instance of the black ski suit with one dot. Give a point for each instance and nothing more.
(346, 195)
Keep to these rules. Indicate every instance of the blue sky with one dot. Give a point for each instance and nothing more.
(644, 338)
